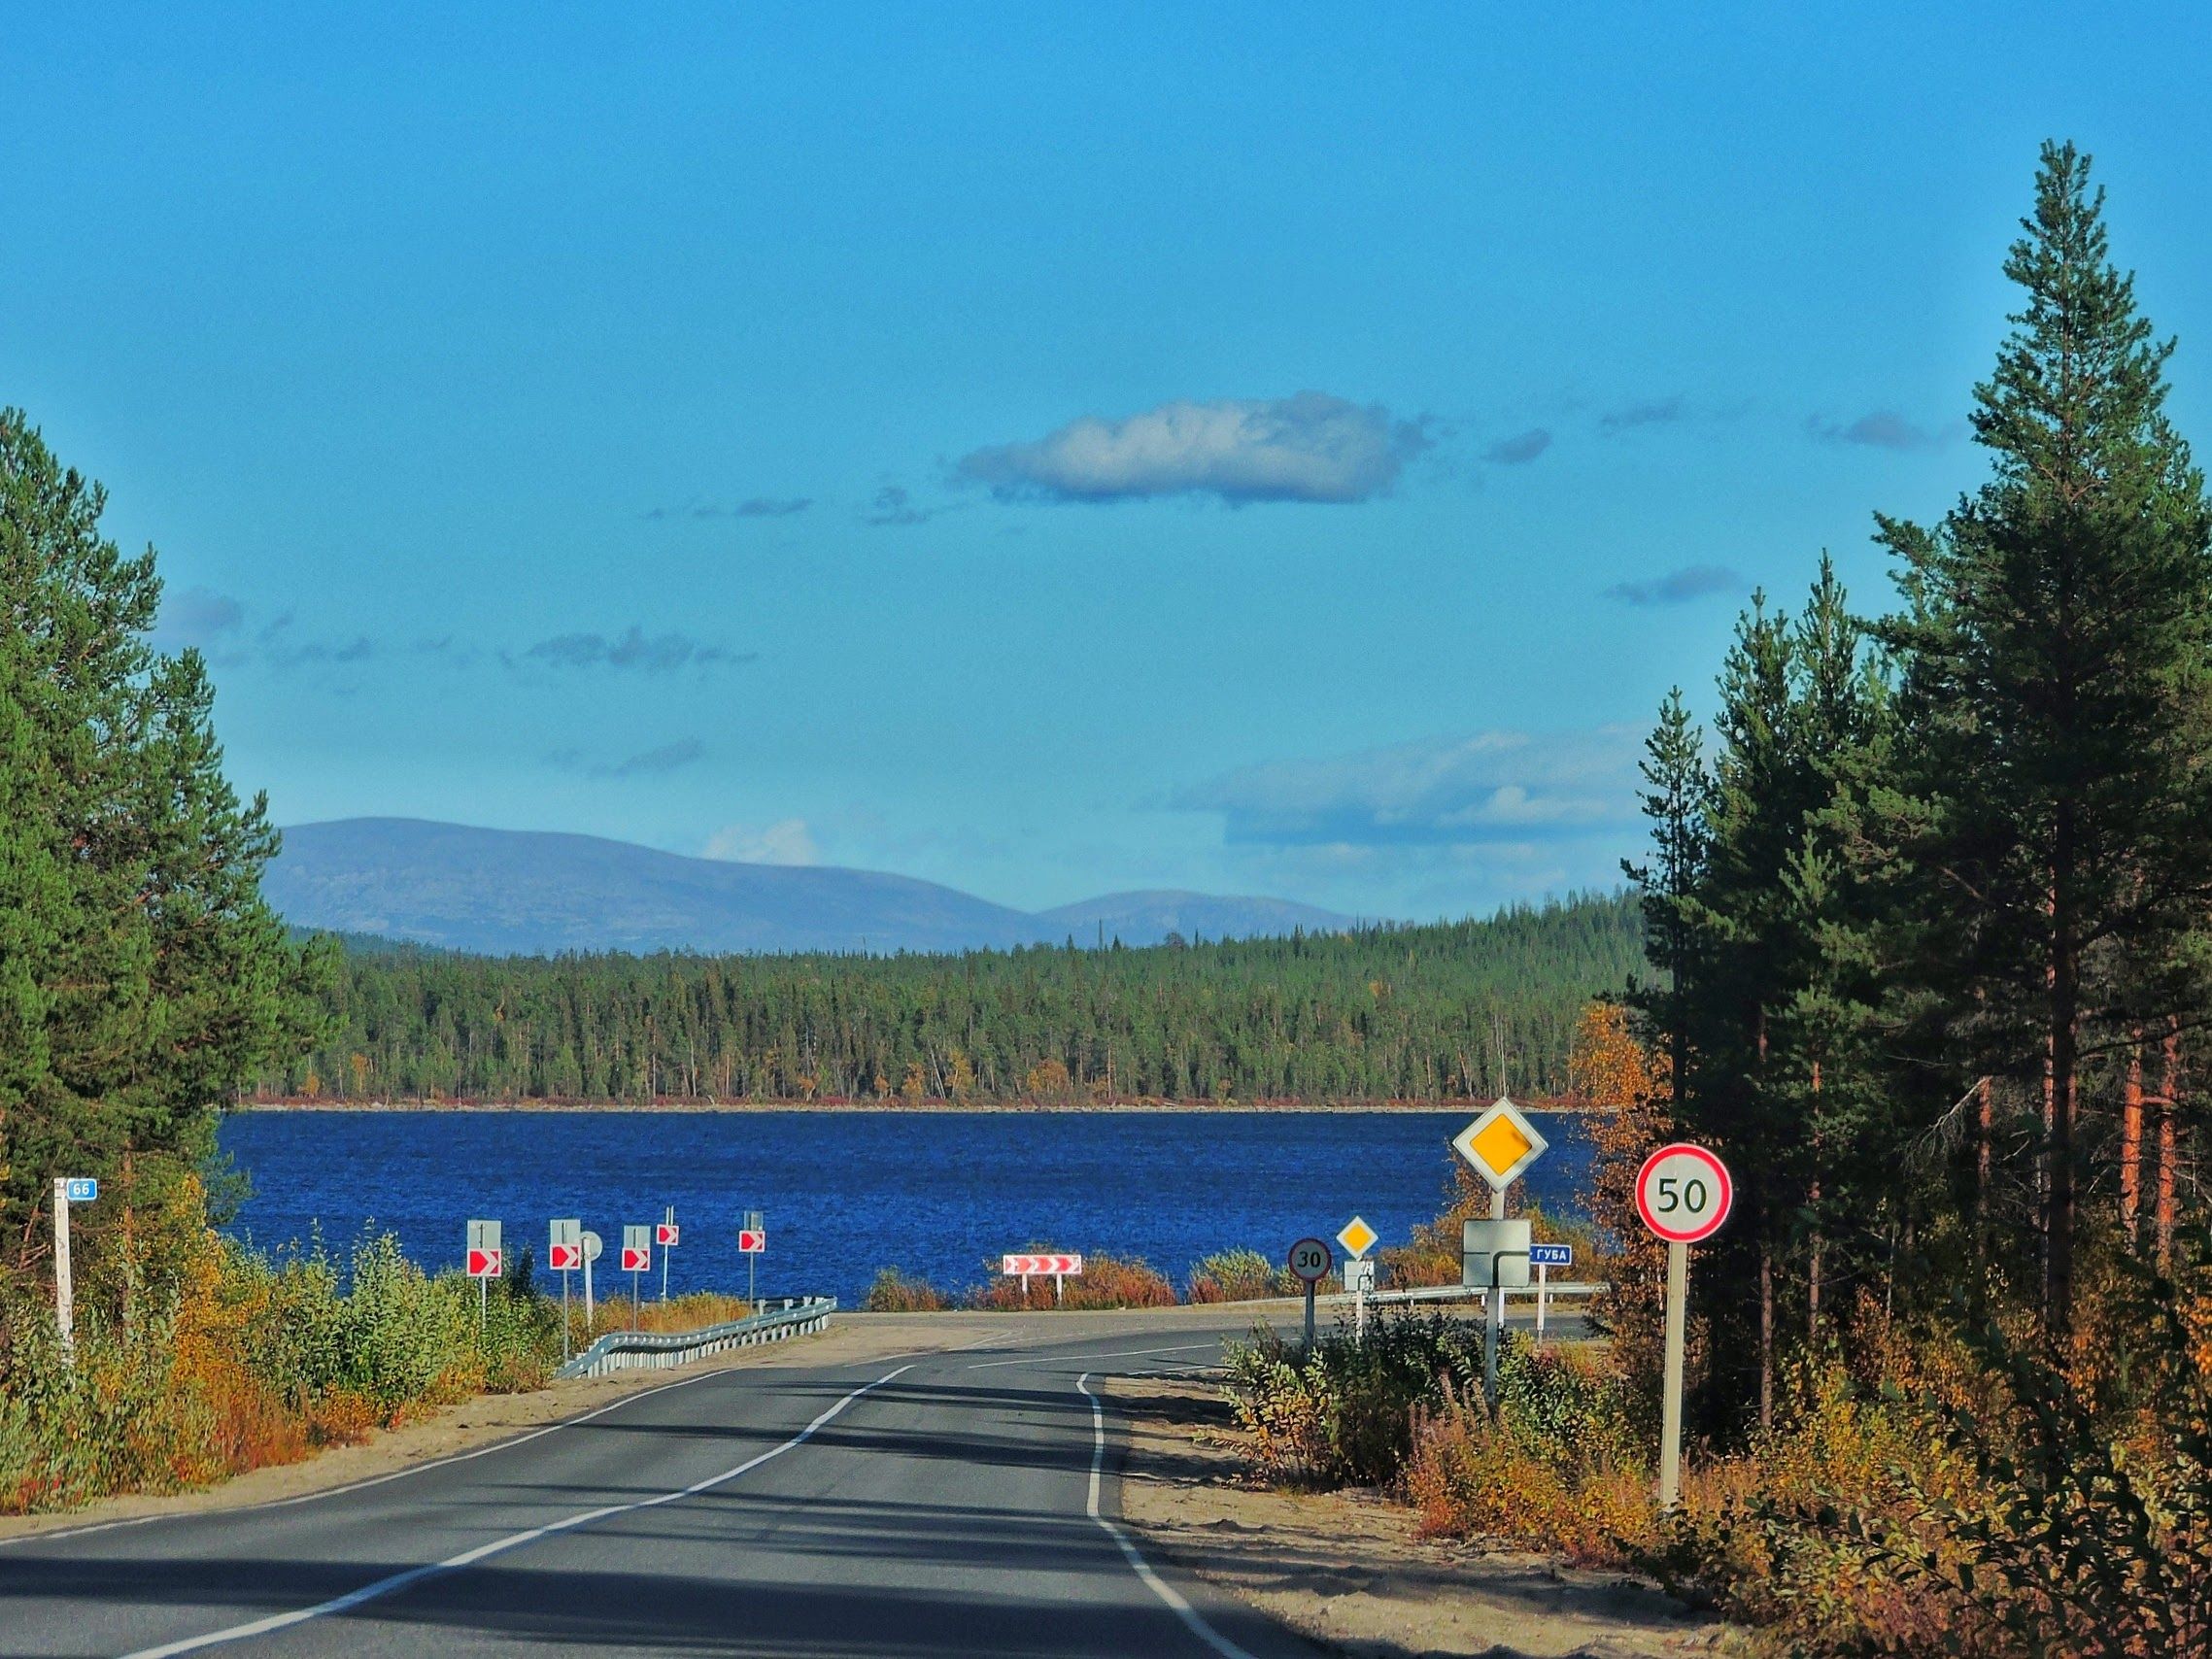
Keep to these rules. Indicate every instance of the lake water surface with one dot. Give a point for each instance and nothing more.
(938, 1194)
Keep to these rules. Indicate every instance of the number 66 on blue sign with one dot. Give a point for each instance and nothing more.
(81, 1189)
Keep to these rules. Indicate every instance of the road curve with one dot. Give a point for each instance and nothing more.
(942, 1504)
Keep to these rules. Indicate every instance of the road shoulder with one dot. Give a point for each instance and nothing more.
(1348, 1570)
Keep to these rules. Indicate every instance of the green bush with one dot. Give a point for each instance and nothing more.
(1345, 1412)
(1238, 1276)
(895, 1292)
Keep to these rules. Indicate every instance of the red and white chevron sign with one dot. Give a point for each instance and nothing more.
(1065, 1267)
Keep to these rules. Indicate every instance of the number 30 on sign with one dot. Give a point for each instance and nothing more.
(1684, 1192)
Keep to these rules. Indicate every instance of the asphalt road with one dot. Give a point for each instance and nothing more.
(950, 1503)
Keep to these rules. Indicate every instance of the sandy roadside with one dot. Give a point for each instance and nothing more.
(483, 1422)
(1346, 1569)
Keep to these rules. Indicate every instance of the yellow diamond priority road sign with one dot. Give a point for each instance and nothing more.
(1357, 1238)
(1502, 1143)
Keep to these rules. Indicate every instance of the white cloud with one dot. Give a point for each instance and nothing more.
(1491, 787)
(1312, 447)
(787, 841)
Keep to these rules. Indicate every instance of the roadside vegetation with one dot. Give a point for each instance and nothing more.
(1106, 1282)
(240, 1360)
(1930, 929)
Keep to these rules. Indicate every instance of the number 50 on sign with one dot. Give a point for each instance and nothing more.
(1683, 1193)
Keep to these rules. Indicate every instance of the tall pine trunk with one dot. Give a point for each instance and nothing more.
(2131, 1142)
(1766, 1333)
(2170, 1092)
(2058, 1210)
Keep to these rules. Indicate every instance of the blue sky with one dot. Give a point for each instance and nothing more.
(1046, 449)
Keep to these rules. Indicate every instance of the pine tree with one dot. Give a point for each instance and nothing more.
(2053, 620)
(142, 979)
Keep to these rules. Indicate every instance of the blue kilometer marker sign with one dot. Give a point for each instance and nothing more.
(1551, 1255)
(81, 1189)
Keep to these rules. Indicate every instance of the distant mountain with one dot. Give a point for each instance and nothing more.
(515, 892)
(1148, 918)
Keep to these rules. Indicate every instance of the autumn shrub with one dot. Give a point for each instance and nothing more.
(1345, 1412)
(2008, 1512)
(1106, 1281)
(896, 1292)
(237, 1360)
(1238, 1276)
(1560, 1464)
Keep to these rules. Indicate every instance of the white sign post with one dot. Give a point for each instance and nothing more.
(564, 1254)
(483, 1263)
(1683, 1193)
(636, 1259)
(1310, 1260)
(593, 1248)
(666, 1236)
(752, 1244)
(1544, 1258)
(1502, 1143)
(1358, 1238)
(67, 1190)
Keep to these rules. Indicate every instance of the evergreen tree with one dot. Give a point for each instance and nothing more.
(2055, 623)
(142, 979)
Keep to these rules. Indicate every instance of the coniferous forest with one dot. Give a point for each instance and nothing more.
(1396, 1013)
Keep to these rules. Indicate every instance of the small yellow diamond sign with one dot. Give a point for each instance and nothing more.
(1501, 1144)
(1357, 1238)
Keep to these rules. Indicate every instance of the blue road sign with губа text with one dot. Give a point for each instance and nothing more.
(1551, 1255)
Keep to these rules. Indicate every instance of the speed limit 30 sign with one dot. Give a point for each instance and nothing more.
(1310, 1260)
(1684, 1192)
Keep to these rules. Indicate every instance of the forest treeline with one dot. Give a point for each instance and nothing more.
(1404, 1012)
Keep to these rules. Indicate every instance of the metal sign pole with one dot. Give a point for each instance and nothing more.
(635, 1294)
(482, 1300)
(565, 1318)
(588, 1315)
(1543, 1295)
(1309, 1318)
(64, 1292)
(1495, 1310)
(1670, 1407)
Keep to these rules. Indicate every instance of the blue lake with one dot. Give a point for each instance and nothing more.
(937, 1194)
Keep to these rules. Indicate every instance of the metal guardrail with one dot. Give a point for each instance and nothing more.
(634, 1350)
(1482, 1293)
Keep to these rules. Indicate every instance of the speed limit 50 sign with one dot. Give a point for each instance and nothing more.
(1684, 1192)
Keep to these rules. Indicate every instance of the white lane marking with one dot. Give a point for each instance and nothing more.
(1158, 1586)
(499, 1545)
(371, 1481)
(1118, 1354)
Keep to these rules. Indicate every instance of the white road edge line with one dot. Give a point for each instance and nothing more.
(1158, 1586)
(497, 1546)
(1118, 1354)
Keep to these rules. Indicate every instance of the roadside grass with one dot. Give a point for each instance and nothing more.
(898, 1291)
(692, 1311)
